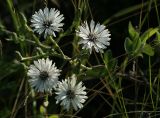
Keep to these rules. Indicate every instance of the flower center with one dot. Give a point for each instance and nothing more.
(70, 94)
(47, 24)
(92, 37)
(43, 75)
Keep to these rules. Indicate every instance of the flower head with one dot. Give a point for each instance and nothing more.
(70, 94)
(94, 36)
(47, 21)
(44, 75)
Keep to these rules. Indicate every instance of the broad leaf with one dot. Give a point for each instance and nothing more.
(147, 49)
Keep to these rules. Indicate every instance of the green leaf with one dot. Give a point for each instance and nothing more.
(53, 116)
(42, 109)
(137, 45)
(158, 36)
(96, 71)
(22, 19)
(109, 60)
(147, 49)
(132, 32)
(128, 45)
(147, 34)
(107, 56)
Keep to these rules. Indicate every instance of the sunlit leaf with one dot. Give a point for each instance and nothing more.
(53, 116)
(147, 49)
(42, 109)
(147, 34)
(158, 36)
(132, 32)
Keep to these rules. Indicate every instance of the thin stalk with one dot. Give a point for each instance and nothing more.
(45, 2)
(57, 47)
(121, 102)
(136, 84)
(13, 113)
(157, 96)
(90, 12)
(97, 57)
(26, 106)
(143, 103)
(156, 8)
(36, 39)
(42, 55)
(130, 112)
(146, 16)
(34, 103)
(150, 82)
(123, 66)
(140, 18)
(125, 12)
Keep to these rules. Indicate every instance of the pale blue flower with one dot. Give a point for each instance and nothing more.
(47, 21)
(71, 94)
(93, 36)
(43, 75)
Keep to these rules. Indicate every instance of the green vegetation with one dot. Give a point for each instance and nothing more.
(122, 82)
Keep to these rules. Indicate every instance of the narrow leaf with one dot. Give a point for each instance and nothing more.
(128, 45)
(147, 34)
(132, 32)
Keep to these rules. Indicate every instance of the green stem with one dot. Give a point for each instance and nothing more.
(156, 8)
(125, 12)
(57, 47)
(146, 16)
(13, 14)
(150, 82)
(40, 56)
(36, 39)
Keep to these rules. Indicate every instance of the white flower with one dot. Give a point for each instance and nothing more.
(47, 21)
(94, 36)
(44, 75)
(70, 94)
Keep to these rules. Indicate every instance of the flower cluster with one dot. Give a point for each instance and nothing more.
(44, 77)
(44, 74)
(93, 36)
